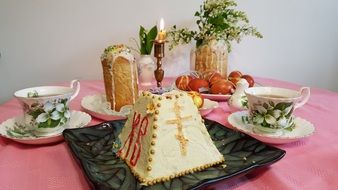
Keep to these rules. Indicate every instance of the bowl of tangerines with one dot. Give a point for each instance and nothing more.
(211, 85)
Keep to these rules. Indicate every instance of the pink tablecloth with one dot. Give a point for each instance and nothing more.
(311, 163)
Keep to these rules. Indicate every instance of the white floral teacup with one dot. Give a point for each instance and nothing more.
(271, 109)
(46, 108)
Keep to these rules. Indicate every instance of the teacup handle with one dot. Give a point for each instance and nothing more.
(305, 95)
(75, 84)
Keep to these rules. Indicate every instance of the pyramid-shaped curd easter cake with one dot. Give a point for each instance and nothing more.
(165, 137)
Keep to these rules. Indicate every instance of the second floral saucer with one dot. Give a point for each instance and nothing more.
(16, 129)
(302, 129)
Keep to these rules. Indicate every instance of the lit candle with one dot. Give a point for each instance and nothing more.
(162, 34)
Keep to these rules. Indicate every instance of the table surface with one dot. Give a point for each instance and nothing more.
(310, 163)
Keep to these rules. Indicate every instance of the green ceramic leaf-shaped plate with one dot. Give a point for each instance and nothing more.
(92, 146)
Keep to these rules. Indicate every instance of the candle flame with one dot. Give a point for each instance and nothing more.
(161, 24)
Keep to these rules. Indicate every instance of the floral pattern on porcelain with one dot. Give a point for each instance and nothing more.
(20, 131)
(272, 115)
(49, 114)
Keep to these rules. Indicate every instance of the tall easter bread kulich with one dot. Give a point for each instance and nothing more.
(165, 137)
(120, 76)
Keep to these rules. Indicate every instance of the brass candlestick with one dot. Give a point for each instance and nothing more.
(159, 54)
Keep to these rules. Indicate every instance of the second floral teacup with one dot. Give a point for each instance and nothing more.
(271, 109)
(46, 108)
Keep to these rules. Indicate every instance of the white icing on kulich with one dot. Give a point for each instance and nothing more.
(110, 54)
(119, 50)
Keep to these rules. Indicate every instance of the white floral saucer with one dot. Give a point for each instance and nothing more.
(16, 129)
(302, 129)
(97, 106)
(208, 106)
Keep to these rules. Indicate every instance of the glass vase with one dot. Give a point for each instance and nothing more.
(146, 67)
(210, 56)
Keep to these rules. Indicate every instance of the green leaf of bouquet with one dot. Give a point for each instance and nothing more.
(217, 22)
(199, 42)
(150, 39)
(142, 32)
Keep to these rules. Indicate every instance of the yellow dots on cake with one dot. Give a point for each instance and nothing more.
(172, 176)
(158, 105)
(152, 143)
(160, 98)
(177, 96)
(155, 126)
(146, 93)
(149, 168)
(181, 94)
(153, 97)
(169, 97)
(154, 136)
(150, 183)
(157, 112)
(155, 118)
(150, 159)
(152, 151)
(158, 180)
